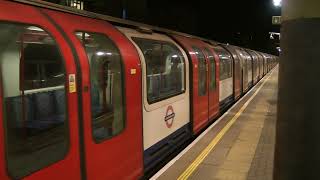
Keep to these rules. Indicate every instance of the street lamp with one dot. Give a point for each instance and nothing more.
(277, 3)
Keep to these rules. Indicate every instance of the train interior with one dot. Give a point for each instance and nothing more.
(106, 77)
(33, 80)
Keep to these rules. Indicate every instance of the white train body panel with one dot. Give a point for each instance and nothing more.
(226, 89)
(155, 126)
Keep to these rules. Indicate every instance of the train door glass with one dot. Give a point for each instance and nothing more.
(202, 72)
(212, 81)
(106, 85)
(213, 93)
(33, 86)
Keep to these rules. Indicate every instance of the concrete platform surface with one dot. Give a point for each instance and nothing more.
(239, 146)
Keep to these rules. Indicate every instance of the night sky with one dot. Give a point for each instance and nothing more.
(245, 23)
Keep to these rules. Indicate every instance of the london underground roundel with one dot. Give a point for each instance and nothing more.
(169, 118)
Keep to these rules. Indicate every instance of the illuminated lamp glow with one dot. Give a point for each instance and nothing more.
(34, 28)
(99, 53)
(277, 3)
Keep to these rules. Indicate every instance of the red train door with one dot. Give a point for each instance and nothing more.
(39, 134)
(237, 76)
(199, 81)
(111, 98)
(200, 88)
(213, 83)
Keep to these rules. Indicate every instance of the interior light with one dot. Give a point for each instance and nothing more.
(100, 53)
(34, 28)
(80, 34)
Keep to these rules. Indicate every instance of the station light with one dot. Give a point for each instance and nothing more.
(272, 34)
(277, 3)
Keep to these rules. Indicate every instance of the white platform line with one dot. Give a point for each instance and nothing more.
(169, 164)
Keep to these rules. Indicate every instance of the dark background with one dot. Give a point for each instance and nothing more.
(245, 23)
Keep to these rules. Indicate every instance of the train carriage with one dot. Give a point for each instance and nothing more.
(261, 64)
(226, 83)
(237, 74)
(86, 96)
(165, 95)
(246, 69)
(205, 89)
(250, 68)
(255, 65)
(71, 117)
(265, 67)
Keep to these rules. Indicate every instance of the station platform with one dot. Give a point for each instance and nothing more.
(239, 145)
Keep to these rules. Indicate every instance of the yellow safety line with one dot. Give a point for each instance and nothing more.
(214, 142)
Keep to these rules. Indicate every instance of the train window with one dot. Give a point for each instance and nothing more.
(106, 76)
(202, 71)
(165, 69)
(225, 64)
(212, 82)
(33, 84)
(249, 61)
(42, 68)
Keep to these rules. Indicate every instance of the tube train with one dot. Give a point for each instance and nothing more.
(87, 96)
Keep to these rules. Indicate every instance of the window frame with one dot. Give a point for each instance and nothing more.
(145, 78)
(123, 83)
(65, 85)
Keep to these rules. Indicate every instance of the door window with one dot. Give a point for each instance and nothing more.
(33, 85)
(202, 71)
(106, 76)
(212, 82)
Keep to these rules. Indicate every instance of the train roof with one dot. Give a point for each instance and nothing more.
(114, 20)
